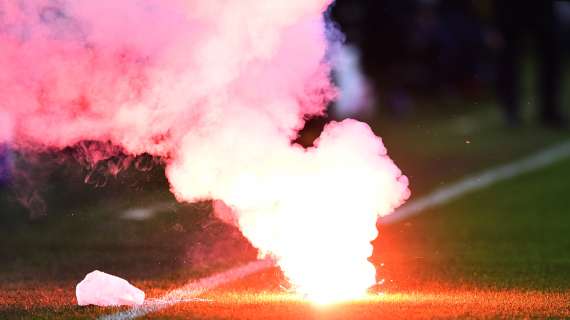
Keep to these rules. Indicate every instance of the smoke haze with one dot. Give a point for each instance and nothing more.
(218, 90)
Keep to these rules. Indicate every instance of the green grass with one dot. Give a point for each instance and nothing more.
(436, 147)
(511, 235)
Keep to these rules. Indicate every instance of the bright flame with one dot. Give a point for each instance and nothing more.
(314, 210)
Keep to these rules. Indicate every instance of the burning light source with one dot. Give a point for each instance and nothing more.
(218, 89)
(315, 210)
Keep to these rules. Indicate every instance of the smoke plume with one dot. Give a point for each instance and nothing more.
(218, 89)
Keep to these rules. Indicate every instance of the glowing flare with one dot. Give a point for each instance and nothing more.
(314, 210)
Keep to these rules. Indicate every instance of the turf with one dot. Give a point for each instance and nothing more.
(480, 255)
(510, 235)
(437, 149)
(425, 304)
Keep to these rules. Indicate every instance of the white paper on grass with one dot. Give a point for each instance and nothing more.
(102, 289)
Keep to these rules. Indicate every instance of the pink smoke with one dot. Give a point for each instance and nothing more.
(218, 89)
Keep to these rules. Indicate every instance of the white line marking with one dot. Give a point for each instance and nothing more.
(191, 290)
(476, 182)
(141, 214)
